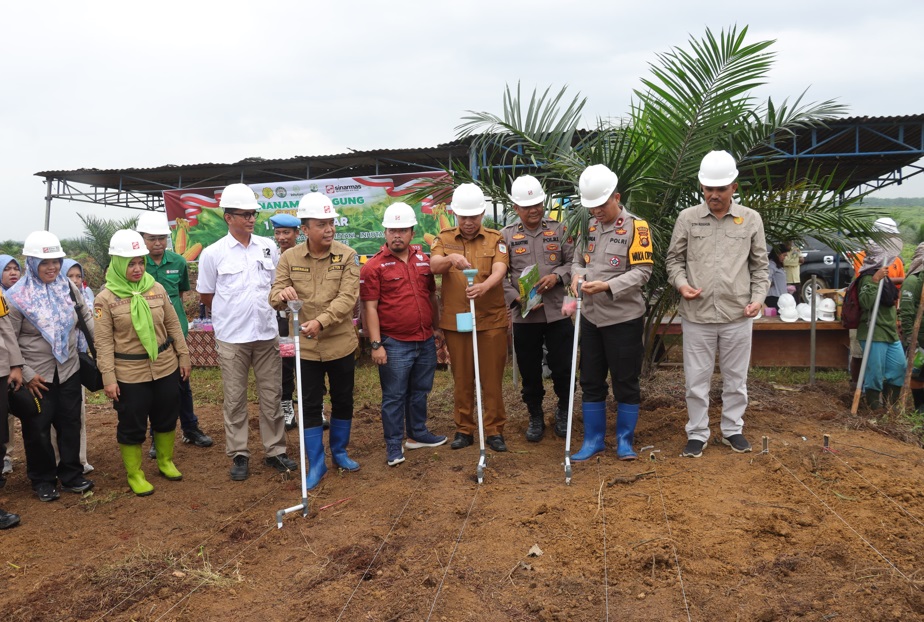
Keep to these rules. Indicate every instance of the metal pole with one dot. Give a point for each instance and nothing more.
(812, 339)
(47, 203)
(579, 273)
(294, 307)
(470, 274)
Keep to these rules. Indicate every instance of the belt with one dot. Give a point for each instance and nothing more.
(141, 357)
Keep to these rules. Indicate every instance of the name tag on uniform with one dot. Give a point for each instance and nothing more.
(172, 271)
(334, 268)
(300, 269)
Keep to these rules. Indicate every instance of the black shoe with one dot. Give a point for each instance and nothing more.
(8, 520)
(240, 468)
(496, 443)
(79, 485)
(694, 449)
(45, 491)
(197, 437)
(461, 441)
(281, 463)
(536, 427)
(561, 422)
(288, 414)
(152, 454)
(738, 443)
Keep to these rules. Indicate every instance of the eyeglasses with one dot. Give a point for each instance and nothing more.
(244, 215)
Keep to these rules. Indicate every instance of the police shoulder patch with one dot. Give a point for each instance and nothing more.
(640, 252)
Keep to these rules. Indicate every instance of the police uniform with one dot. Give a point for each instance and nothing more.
(482, 252)
(549, 247)
(328, 287)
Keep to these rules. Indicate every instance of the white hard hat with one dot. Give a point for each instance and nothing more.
(526, 191)
(153, 223)
(316, 205)
(804, 311)
(717, 169)
(399, 216)
(238, 196)
(468, 200)
(786, 301)
(789, 314)
(127, 243)
(826, 310)
(43, 244)
(597, 185)
(886, 225)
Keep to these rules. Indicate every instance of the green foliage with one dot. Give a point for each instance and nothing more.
(95, 241)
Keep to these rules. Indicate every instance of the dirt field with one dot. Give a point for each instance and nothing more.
(798, 533)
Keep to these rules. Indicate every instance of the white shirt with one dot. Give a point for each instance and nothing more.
(240, 278)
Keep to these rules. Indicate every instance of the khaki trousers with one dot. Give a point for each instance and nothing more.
(492, 357)
(235, 360)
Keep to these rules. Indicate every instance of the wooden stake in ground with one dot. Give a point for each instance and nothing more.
(912, 348)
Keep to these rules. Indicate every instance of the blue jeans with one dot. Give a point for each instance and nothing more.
(886, 365)
(407, 379)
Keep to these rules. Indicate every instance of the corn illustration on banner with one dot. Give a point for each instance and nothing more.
(196, 219)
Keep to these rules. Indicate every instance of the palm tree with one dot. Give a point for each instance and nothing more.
(95, 241)
(695, 100)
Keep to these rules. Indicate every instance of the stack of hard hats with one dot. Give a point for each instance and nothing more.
(787, 307)
(826, 310)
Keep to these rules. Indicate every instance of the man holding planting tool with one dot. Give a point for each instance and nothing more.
(718, 262)
(617, 259)
(324, 275)
(235, 276)
(540, 247)
(399, 306)
(465, 246)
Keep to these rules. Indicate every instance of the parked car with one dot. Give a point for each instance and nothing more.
(832, 269)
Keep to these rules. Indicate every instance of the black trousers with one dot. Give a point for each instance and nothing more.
(559, 340)
(288, 378)
(156, 400)
(4, 424)
(339, 374)
(616, 349)
(58, 407)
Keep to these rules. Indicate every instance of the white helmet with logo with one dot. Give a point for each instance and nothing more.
(399, 216)
(789, 314)
(238, 196)
(786, 301)
(127, 243)
(804, 311)
(153, 223)
(316, 205)
(597, 184)
(717, 169)
(43, 245)
(468, 200)
(826, 310)
(526, 191)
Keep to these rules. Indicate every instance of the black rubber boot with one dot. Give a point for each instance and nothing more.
(890, 394)
(873, 400)
(918, 397)
(536, 423)
(561, 422)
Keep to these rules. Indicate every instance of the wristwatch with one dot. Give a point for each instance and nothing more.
(375, 344)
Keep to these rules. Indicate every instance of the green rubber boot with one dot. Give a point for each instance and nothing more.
(131, 457)
(163, 441)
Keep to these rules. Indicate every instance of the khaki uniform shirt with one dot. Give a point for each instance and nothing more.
(10, 356)
(116, 333)
(622, 255)
(549, 246)
(485, 250)
(37, 352)
(725, 258)
(329, 288)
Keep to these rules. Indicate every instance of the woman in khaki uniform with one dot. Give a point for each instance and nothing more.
(142, 355)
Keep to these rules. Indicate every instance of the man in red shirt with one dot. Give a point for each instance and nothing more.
(400, 309)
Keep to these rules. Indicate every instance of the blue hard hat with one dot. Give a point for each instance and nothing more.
(285, 220)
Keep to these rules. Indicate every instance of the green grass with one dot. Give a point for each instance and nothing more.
(796, 375)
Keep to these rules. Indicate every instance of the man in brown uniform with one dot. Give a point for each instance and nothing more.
(469, 245)
(537, 240)
(324, 275)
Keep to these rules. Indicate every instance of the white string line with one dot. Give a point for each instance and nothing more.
(187, 554)
(896, 503)
(606, 573)
(846, 524)
(670, 535)
(384, 540)
(223, 566)
(454, 549)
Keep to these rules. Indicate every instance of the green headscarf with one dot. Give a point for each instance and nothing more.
(142, 320)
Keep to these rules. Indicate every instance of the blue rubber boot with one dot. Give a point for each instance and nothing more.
(594, 415)
(626, 419)
(314, 452)
(339, 439)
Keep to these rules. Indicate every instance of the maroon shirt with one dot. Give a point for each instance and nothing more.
(402, 291)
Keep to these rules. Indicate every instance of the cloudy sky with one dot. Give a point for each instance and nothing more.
(127, 84)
